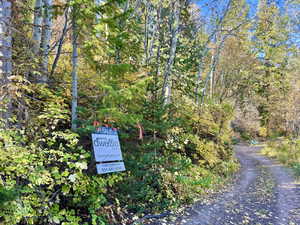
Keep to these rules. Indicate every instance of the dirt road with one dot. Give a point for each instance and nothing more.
(265, 193)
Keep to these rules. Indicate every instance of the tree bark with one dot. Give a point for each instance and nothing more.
(146, 29)
(37, 26)
(5, 59)
(46, 38)
(214, 63)
(158, 53)
(60, 44)
(74, 71)
(166, 89)
(199, 73)
(152, 30)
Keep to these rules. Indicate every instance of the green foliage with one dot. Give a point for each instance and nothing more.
(271, 44)
(7, 195)
(157, 182)
(263, 132)
(204, 134)
(296, 168)
(181, 157)
(45, 174)
(287, 151)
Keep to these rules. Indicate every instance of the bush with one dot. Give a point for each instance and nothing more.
(53, 184)
(204, 135)
(296, 167)
(48, 177)
(287, 151)
(263, 132)
(45, 173)
(157, 182)
(181, 157)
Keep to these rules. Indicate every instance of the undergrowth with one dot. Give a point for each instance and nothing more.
(48, 175)
(286, 151)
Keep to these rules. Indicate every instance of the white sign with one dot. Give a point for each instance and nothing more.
(110, 167)
(106, 145)
(107, 148)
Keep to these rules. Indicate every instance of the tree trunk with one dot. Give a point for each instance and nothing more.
(146, 29)
(166, 89)
(214, 63)
(5, 59)
(37, 26)
(74, 71)
(211, 78)
(199, 73)
(60, 44)
(151, 26)
(208, 77)
(158, 57)
(46, 38)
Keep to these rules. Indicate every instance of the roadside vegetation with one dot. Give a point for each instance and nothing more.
(50, 175)
(286, 151)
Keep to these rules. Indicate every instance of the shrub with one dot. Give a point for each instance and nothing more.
(52, 182)
(287, 151)
(48, 177)
(296, 167)
(45, 174)
(263, 132)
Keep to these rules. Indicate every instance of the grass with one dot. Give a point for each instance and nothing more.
(286, 151)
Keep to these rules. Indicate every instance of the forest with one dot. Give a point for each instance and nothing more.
(181, 81)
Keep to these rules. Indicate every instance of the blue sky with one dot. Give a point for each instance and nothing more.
(205, 4)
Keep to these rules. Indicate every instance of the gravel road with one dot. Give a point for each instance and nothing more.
(265, 193)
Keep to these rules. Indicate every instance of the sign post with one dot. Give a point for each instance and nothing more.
(107, 151)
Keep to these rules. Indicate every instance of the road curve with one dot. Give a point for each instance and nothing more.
(265, 194)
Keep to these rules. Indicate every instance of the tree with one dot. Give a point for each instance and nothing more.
(74, 68)
(37, 26)
(6, 59)
(271, 45)
(46, 38)
(174, 29)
